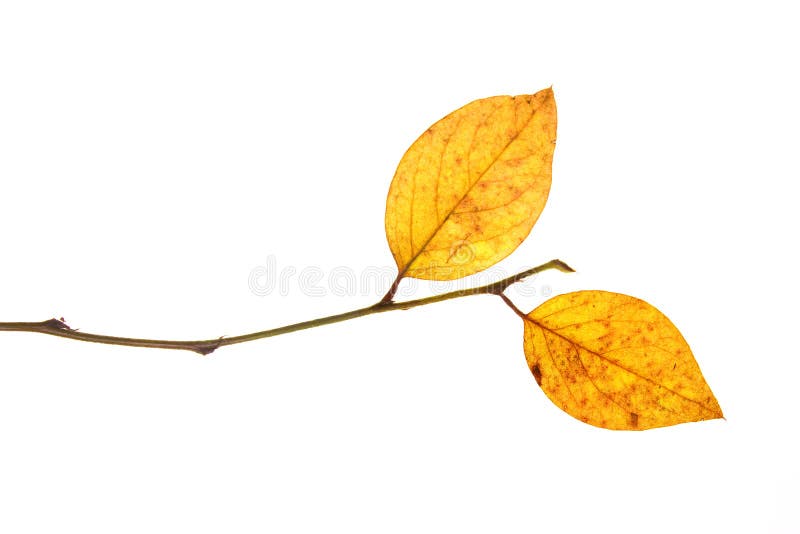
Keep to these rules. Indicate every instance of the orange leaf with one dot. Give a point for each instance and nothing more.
(469, 190)
(615, 362)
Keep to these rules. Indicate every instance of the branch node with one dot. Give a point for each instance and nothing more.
(57, 324)
(208, 348)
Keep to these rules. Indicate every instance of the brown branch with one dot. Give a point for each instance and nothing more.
(57, 327)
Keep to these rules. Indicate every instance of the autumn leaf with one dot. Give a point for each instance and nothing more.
(615, 362)
(469, 190)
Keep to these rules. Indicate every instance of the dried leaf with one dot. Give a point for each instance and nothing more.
(469, 190)
(615, 362)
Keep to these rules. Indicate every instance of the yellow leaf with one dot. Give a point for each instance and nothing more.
(468, 191)
(615, 362)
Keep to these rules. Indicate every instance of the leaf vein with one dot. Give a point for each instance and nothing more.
(624, 368)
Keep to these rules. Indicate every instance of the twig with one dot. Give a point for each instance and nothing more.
(57, 327)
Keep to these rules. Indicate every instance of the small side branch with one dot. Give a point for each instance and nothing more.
(57, 327)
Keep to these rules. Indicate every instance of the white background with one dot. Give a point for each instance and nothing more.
(152, 154)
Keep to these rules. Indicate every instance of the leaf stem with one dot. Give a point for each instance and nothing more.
(57, 327)
(512, 305)
(389, 296)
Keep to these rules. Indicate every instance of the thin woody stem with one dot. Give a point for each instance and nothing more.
(57, 327)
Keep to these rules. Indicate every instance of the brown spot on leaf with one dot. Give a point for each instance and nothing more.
(537, 373)
(634, 419)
